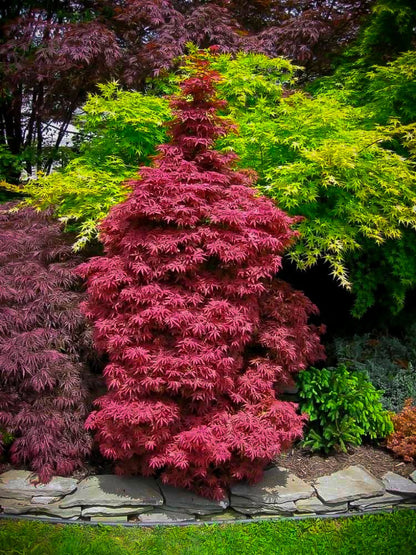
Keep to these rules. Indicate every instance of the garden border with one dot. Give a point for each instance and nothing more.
(146, 502)
(273, 518)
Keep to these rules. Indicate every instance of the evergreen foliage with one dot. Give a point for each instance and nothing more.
(377, 70)
(343, 408)
(390, 364)
(387, 92)
(185, 304)
(389, 31)
(44, 345)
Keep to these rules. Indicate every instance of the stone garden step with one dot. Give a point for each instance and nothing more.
(114, 511)
(18, 484)
(162, 516)
(395, 483)
(248, 507)
(229, 514)
(110, 498)
(115, 491)
(354, 482)
(275, 493)
(186, 501)
(315, 505)
(383, 501)
(20, 507)
(43, 500)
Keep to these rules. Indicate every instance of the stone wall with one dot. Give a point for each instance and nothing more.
(109, 498)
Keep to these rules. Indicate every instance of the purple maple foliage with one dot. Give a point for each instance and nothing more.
(198, 331)
(43, 339)
(53, 52)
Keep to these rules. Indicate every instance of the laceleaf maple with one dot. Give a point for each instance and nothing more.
(186, 305)
(323, 159)
(44, 346)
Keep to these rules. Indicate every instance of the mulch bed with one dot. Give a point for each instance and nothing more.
(377, 460)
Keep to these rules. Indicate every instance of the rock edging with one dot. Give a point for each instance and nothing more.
(109, 498)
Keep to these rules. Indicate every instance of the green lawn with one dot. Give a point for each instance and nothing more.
(393, 533)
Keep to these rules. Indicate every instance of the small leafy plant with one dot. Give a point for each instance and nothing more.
(403, 440)
(343, 408)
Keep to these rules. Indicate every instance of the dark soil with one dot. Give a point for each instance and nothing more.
(376, 460)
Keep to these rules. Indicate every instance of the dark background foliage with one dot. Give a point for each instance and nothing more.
(52, 53)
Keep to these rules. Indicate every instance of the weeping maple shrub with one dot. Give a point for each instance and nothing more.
(43, 338)
(198, 331)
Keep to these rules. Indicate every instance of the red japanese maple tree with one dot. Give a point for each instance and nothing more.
(197, 329)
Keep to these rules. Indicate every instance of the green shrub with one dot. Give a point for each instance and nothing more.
(326, 161)
(82, 194)
(10, 167)
(343, 408)
(389, 363)
(5, 438)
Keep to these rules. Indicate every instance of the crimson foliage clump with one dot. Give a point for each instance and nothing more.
(43, 338)
(185, 304)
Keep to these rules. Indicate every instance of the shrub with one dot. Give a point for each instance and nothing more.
(43, 339)
(403, 440)
(120, 129)
(184, 303)
(325, 160)
(343, 407)
(389, 363)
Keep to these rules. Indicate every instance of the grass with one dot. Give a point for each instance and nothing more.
(392, 533)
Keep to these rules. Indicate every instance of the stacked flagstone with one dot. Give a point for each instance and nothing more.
(108, 498)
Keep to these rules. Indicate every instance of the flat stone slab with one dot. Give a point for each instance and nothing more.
(395, 483)
(406, 506)
(315, 505)
(277, 486)
(114, 511)
(20, 507)
(413, 476)
(47, 517)
(162, 517)
(115, 491)
(381, 502)
(354, 482)
(109, 519)
(188, 502)
(226, 515)
(16, 484)
(43, 500)
(253, 509)
(274, 516)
